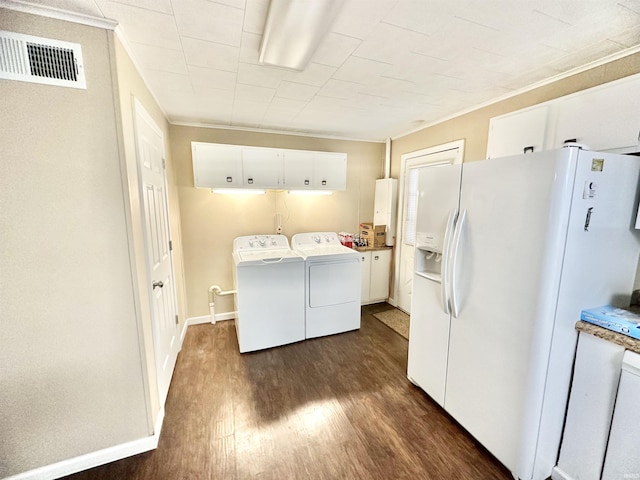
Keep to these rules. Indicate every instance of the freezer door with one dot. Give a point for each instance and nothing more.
(509, 233)
(439, 189)
(439, 193)
(428, 339)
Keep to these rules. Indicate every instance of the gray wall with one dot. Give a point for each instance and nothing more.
(71, 378)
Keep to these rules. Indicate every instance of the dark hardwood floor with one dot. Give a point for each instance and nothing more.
(337, 407)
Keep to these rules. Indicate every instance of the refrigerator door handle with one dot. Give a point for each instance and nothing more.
(444, 268)
(455, 253)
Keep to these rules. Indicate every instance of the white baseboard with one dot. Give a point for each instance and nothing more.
(225, 316)
(94, 459)
(117, 452)
(207, 318)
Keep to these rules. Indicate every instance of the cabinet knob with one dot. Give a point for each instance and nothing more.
(306, 182)
(324, 182)
(250, 181)
(376, 257)
(229, 179)
(528, 149)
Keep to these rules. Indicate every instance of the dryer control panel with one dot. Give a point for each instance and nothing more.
(314, 239)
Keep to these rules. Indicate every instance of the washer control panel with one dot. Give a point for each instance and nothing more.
(260, 242)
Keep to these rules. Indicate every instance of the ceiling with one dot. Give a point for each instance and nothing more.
(385, 68)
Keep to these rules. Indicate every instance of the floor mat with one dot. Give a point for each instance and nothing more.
(396, 320)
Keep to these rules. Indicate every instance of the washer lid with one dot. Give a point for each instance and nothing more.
(265, 257)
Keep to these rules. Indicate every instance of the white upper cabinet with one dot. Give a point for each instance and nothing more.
(236, 166)
(603, 118)
(298, 167)
(216, 165)
(262, 168)
(518, 132)
(330, 171)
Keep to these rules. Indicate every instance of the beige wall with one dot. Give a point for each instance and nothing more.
(473, 127)
(71, 379)
(130, 86)
(210, 221)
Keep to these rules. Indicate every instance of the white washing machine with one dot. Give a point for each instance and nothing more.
(269, 280)
(332, 281)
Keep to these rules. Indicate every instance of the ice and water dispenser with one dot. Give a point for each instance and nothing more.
(428, 255)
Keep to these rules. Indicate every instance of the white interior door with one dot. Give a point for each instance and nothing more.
(153, 187)
(408, 190)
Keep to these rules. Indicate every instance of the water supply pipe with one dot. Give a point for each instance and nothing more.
(387, 159)
(213, 291)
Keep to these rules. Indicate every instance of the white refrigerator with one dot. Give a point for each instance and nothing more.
(508, 252)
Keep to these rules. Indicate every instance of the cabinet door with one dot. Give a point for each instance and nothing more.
(216, 165)
(593, 394)
(298, 169)
(365, 262)
(330, 171)
(622, 459)
(511, 134)
(261, 168)
(380, 266)
(603, 118)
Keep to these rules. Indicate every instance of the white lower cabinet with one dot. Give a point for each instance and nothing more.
(376, 267)
(622, 460)
(602, 430)
(593, 393)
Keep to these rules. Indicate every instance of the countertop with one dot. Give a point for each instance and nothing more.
(372, 249)
(625, 341)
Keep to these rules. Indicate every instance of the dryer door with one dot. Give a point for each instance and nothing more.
(334, 283)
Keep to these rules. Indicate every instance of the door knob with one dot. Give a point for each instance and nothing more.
(158, 284)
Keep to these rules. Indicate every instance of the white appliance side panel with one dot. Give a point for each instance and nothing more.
(599, 268)
(270, 304)
(502, 265)
(428, 339)
(333, 283)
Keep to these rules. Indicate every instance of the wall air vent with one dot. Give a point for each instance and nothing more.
(41, 60)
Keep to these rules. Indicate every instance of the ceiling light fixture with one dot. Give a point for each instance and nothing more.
(294, 29)
(238, 191)
(310, 192)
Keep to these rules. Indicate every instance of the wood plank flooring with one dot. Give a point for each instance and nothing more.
(337, 407)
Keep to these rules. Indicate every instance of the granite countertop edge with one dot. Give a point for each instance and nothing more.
(625, 341)
(371, 249)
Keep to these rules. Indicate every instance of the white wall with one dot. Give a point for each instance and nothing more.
(71, 378)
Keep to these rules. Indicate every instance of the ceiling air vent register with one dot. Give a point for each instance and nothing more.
(41, 60)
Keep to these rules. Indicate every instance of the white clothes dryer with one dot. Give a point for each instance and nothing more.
(269, 280)
(332, 282)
